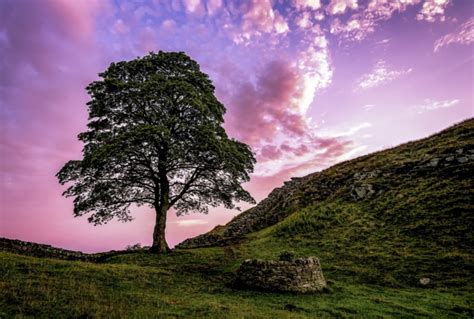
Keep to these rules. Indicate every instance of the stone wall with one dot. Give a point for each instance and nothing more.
(304, 275)
(269, 211)
(47, 251)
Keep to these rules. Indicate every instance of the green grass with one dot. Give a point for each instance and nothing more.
(356, 243)
(194, 284)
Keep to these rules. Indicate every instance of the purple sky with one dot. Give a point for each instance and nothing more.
(307, 83)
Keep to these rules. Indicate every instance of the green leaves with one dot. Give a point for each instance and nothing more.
(154, 137)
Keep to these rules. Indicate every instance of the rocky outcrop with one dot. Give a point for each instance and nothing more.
(47, 251)
(304, 275)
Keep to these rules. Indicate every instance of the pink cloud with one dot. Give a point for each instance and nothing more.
(213, 6)
(334, 148)
(340, 6)
(258, 17)
(267, 107)
(380, 75)
(304, 20)
(464, 34)
(365, 19)
(77, 17)
(269, 152)
(307, 4)
(194, 7)
(433, 10)
(300, 155)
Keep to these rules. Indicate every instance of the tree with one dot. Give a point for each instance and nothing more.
(155, 138)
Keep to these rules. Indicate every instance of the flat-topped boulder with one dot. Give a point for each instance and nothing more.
(303, 275)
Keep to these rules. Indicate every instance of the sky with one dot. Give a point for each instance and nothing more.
(306, 83)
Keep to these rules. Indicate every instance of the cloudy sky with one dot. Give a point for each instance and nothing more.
(306, 83)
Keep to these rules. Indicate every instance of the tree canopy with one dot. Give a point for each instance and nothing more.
(155, 138)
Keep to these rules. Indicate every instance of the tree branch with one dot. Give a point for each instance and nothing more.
(186, 186)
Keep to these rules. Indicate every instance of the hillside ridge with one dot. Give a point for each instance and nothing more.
(441, 154)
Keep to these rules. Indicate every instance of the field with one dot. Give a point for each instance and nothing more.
(197, 283)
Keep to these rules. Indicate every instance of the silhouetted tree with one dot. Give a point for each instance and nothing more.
(155, 138)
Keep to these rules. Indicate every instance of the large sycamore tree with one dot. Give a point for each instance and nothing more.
(155, 138)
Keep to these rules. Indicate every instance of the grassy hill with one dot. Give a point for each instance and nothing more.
(378, 223)
(389, 218)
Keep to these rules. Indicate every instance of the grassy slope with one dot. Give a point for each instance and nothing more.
(191, 284)
(418, 224)
(373, 252)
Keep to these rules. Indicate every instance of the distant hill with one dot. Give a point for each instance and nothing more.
(391, 217)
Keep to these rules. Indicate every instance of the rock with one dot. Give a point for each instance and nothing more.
(463, 159)
(304, 275)
(425, 281)
(433, 162)
(364, 175)
(362, 191)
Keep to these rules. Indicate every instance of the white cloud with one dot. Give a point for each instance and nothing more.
(340, 6)
(280, 24)
(315, 64)
(304, 21)
(273, 167)
(384, 41)
(190, 222)
(364, 21)
(307, 4)
(380, 74)
(352, 153)
(319, 16)
(192, 5)
(345, 132)
(433, 10)
(260, 18)
(430, 105)
(464, 34)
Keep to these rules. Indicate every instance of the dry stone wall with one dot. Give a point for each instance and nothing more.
(304, 275)
(269, 211)
(47, 251)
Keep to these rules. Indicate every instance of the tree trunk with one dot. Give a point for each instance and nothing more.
(162, 204)
(159, 241)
